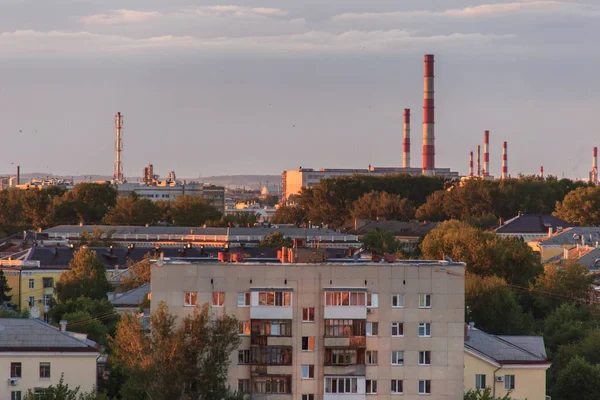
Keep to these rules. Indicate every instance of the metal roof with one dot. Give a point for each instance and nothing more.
(507, 349)
(133, 297)
(532, 223)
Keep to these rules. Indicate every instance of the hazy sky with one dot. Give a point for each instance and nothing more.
(263, 86)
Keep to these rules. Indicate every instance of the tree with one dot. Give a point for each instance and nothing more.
(188, 360)
(4, 289)
(86, 277)
(62, 392)
(100, 237)
(276, 240)
(294, 215)
(381, 242)
(494, 307)
(132, 210)
(579, 380)
(83, 322)
(485, 394)
(37, 207)
(92, 201)
(569, 323)
(192, 211)
(374, 205)
(588, 349)
(582, 205)
(138, 273)
(103, 309)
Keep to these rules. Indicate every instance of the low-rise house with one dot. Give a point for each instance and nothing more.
(507, 364)
(532, 226)
(34, 355)
(130, 301)
(409, 233)
(554, 244)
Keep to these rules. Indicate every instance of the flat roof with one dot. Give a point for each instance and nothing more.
(337, 262)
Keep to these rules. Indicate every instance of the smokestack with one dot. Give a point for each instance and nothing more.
(471, 164)
(594, 172)
(486, 153)
(504, 160)
(542, 171)
(18, 174)
(406, 143)
(478, 160)
(428, 118)
(118, 172)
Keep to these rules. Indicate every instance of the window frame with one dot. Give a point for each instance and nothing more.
(31, 283)
(31, 301)
(16, 395)
(399, 300)
(308, 396)
(46, 368)
(426, 297)
(349, 382)
(371, 357)
(309, 317)
(308, 343)
(374, 328)
(244, 328)
(372, 300)
(371, 386)
(220, 299)
(246, 299)
(244, 355)
(509, 382)
(399, 326)
(426, 359)
(271, 298)
(426, 327)
(310, 371)
(399, 383)
(14, 367)
(479, 381)
(396, 353)
(192, 301)
(426, 386)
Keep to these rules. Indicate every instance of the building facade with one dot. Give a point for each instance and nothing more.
(168, 191)
(333, 330)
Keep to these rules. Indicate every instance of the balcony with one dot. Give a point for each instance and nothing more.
(261, 312)
(352, 341)
(345, 370)
(272, 396)
(341, 312)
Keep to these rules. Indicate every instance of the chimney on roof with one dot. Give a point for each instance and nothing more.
(63, 325)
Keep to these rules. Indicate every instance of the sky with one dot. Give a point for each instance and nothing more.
(258, 87)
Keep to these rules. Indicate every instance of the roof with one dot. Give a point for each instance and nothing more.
(507, 349)
(399, 228)
(585, 235)
(532, 223)
(133, 297)
(19, 334)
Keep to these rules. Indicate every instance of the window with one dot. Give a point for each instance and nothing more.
(31, 283)
(425, 358)
(308, 397)
(244, 385)
(425, 387)
(509, 382)
(308, 343)
(372, 300)
(31, 301)
(397, 386)
(480, 381)
(424, 329)
(15, 370)
(272, 384)
(243, 327)
(372, 328)
(47, 298)
(243, 356)
(277, 299)
(44, 370)
(308, 314)
(344, 327)
(344, 356)
(15, 395)
(341, 385)
(268, 327)
(371, 386)
(397, 357)
(345, 299)
(372, 357)
(190, 299)
(308, 371)
(218, 299)
(397, 329)
(48, 282)
(424, 300)
(397, 301)
(244, 299)
(271, 355)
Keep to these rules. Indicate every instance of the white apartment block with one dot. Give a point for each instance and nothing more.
(332, 331)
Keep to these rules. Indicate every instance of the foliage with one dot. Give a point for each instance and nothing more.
(579, 380)
(62, 392)
(494, 307)
(83, 322)
(485, 253)
(103, 309)
(381, 242)
(374, 205)
(4, 289)
(138, 273)
(568, 323)
(37, 208)
(276, 240)
(192, 211)
(483, 395)
(86, 277)
(294, 215)
(582, 205)
(240, 218)
(100, 237)
(176, 360)
(133, 210)
(92, 201)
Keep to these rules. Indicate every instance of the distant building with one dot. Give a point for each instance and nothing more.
(272, 190)
(532, 226)
(34, 356)
(408, 233)
(131, 300)
(554, 245)
(514, 365)
(264, 213)
(294, 180)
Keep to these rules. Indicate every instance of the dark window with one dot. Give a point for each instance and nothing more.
(344, 327)
(15, 370)
(44, 370)
(271, 355)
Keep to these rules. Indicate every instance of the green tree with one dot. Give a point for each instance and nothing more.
(133, 210)
(276, 240)
(582, 205)
(294, 215)
(4, 289)
(138, 273)
(588, 349)
(99, 237)
(569, 323)
(381, 242)
(37, 207)
(374, 205)
(485, 394)
(494, 307)
(579, 380)
(86, 277)
(101, 308)
(92, 201)
(62, 392)
(193, 211)
(83, 322)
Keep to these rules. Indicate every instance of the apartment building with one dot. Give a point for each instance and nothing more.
(335, 330)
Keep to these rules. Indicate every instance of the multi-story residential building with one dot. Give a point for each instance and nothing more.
(514, 365)
(34, 355)
(335, 330)
(168, 190)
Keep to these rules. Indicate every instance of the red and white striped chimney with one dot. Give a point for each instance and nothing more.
(478, 160)
(486, 153)
(471, 164)
(542, 171)
(504, 160)
(428, 118)
(406, 143)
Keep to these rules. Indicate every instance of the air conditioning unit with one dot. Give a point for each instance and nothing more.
(500, 379)
(13, 381)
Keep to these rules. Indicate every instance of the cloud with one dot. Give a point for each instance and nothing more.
(116, 17)
(237, 11)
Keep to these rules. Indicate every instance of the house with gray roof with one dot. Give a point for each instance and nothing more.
(532, 226)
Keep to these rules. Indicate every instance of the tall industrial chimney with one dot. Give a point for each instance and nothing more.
(594, 171)
(504, 160)
(406, 143)
(542, 171)
(428, 118)
(486, 153)
(478, 160)
(471, 164)
(18, 174)
(118, 173)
